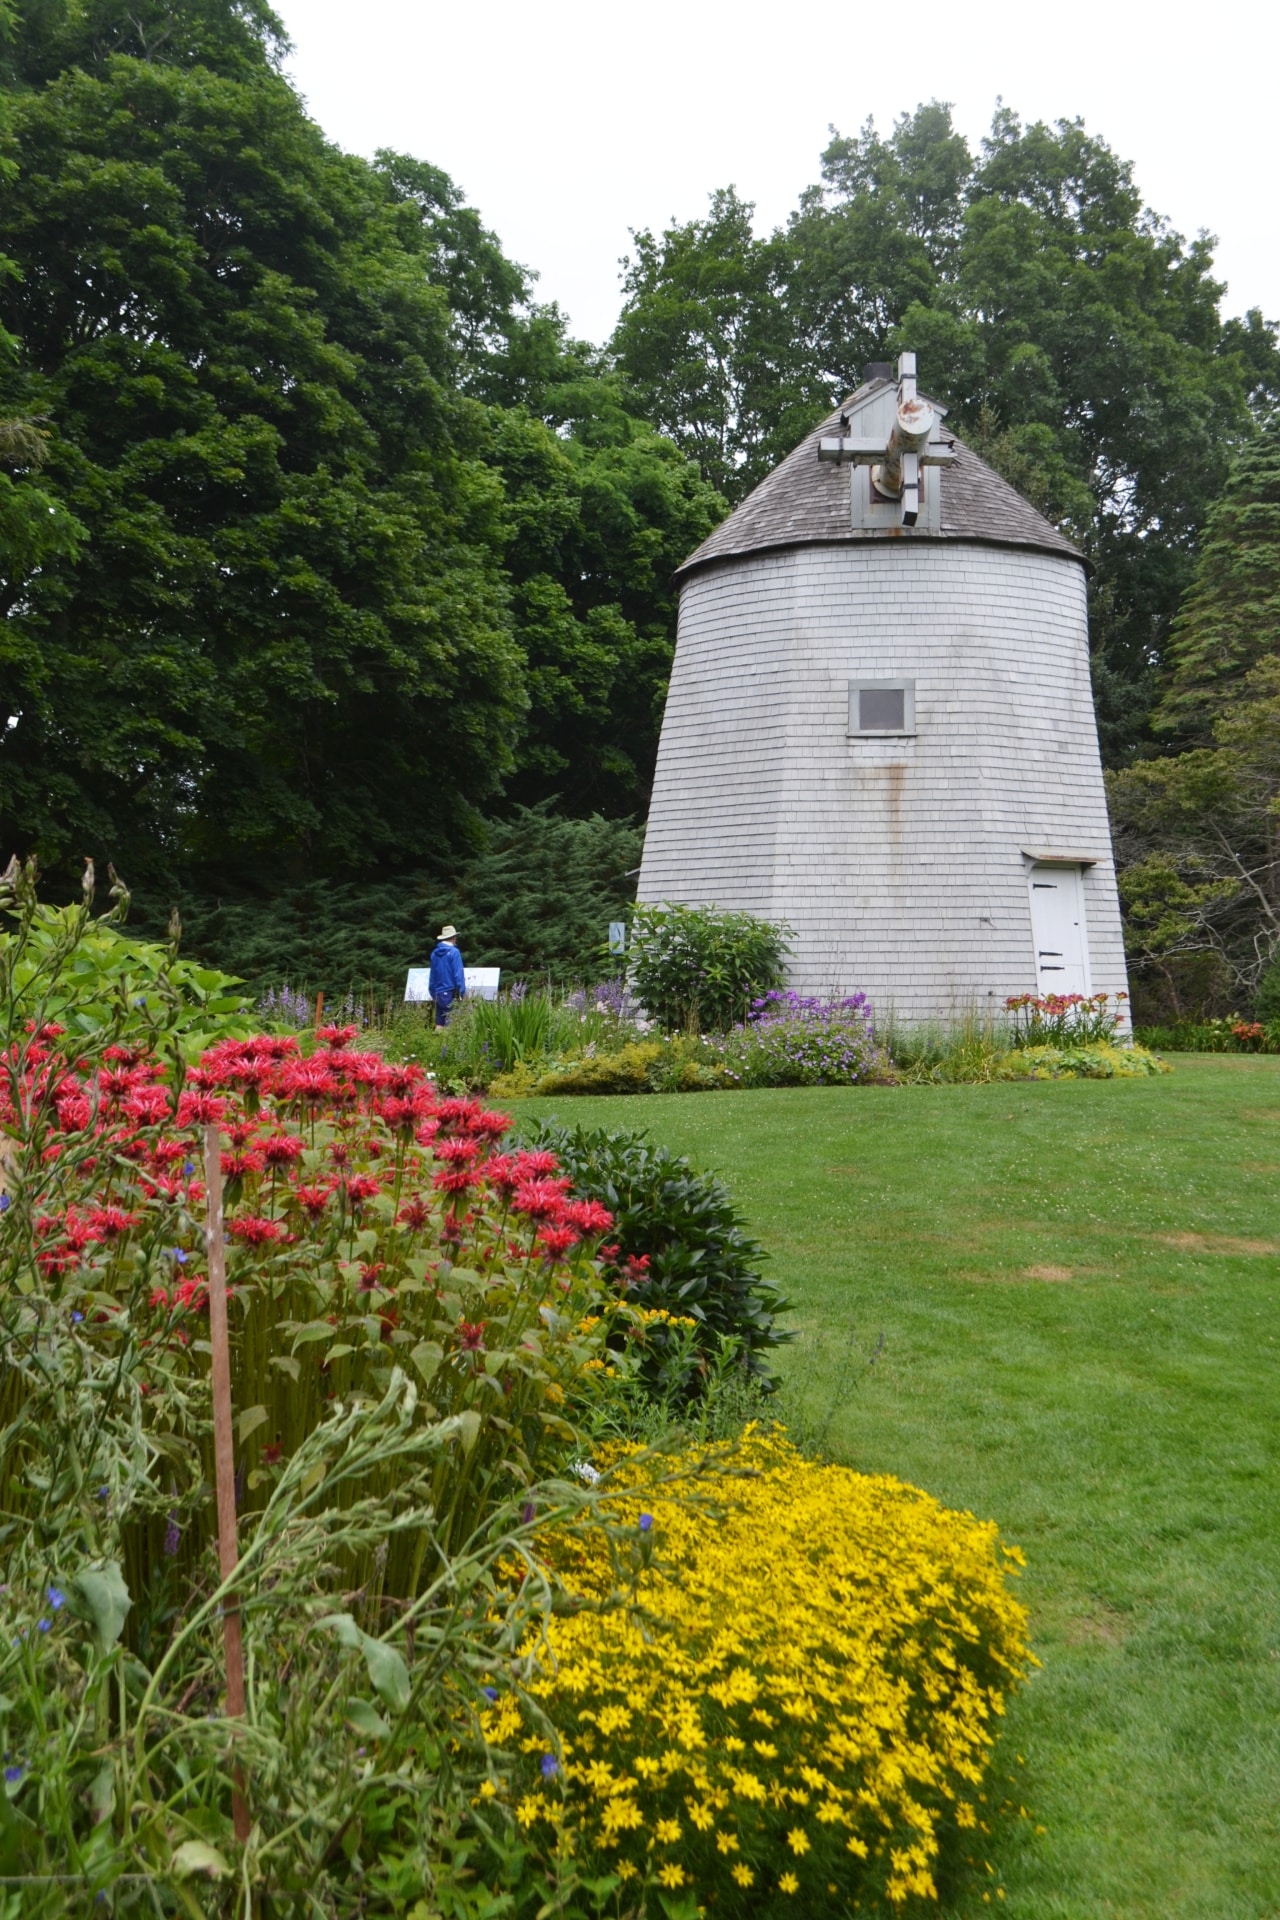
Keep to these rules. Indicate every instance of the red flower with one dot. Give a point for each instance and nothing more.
(313, 1200)
(362, 1186)
(458, 1153)
(456, 1179)
(147, 1106)
(540, 1199)
(502, 1172)
(107, 1223)
(255, 1230)
(471, 1336)
(200, 1109)
(536, 1163)
(192, 1295)
(336, 1036)
(159, 1298)
(236, 1165)
(282, 1149)
(491, 1126)
(588, 1216)
(369, 1272)
(635, 1270)
(459, 1116)
(414, 1213)
(557, 1240)
(75, 1111)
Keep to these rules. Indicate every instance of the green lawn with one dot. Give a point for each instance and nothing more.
(1077, 1283)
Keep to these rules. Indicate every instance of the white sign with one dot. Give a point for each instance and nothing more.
(415, 986)
(481, 981)
(617, 936)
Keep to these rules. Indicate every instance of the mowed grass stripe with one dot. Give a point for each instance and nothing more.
(1078, 1287)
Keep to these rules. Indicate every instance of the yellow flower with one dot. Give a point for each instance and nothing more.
(727, 1842)
(787, 1883)
(671, 1876)
(668, 1832)
(798, 1840)
(742, 1874)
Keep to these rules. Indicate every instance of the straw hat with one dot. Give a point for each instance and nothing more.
(447, 933)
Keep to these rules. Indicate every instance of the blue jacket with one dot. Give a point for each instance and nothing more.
(446, 975)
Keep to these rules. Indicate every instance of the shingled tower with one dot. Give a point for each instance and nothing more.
(880, 725)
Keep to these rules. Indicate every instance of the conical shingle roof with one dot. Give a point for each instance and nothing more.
(805, 501)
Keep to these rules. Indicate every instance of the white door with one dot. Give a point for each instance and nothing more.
(1057, 927)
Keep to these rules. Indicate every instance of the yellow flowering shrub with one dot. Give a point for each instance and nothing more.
(794, 1713)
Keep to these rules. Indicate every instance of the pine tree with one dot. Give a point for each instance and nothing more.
(1230, 618)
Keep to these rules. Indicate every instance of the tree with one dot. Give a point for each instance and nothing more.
(1230, 618)
(1198, 832)
(1198, 850)
(287, 622)
(708, 347)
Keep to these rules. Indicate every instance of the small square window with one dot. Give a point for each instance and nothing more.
(882, 707)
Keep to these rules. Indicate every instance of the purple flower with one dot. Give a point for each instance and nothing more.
(43, 1626)
(490, 1693)
(5, 1203)
(646, 1522)
(179, 1254)
(527, 1512)
(549, 1766)
(12, 1775)
(76, 1318)
(57, 1598)
(172, 1536)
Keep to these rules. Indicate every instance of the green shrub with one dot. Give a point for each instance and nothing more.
(1099, 1061)
(681, 1246)
(702, 967)
(534, 896)
(1267, 1005)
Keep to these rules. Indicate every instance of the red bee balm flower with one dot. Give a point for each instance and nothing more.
(471, 1336)
(282, 1149)
(363, 1186)
(313, 1200)
(254, 1230)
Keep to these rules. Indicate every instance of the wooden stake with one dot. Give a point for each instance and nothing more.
(224, 1455)
(319, 1014)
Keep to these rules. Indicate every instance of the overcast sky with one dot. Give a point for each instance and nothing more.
(569, 123)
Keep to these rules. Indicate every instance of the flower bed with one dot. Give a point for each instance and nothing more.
(796, 1708)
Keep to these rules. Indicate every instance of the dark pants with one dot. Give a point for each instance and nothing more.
(444, 1006)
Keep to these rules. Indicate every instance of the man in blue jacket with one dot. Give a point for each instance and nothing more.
(446, 981)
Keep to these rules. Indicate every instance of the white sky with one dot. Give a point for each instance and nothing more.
(571, 121)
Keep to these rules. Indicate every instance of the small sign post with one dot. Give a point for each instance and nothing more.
(617, 936)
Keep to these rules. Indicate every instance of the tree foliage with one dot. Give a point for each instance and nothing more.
(334, 532)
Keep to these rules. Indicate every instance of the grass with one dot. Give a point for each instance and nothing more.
(1077, 1283)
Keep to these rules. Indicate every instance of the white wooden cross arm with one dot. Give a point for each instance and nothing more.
(896, 460)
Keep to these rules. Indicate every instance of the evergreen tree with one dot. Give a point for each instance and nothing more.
(1230, 618)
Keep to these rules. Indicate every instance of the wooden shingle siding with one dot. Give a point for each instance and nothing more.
(898, 862)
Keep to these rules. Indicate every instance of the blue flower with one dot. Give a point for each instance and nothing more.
(646, 1521)
(5, 1203)
(549, 1766)
(188, 1166)
(180, 1254)
(57, 1598)
(490, 1693)
(12, 1775)
(76, 1318)
(43, 1626)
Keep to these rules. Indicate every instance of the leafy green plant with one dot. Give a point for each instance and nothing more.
(679, 1248)
(701, 966)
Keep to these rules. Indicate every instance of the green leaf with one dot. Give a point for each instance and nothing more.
(287, 1364)
(250, 1420)
(100, 1595)
(363, 1717)
(197, 1856)
(387, 1671)
(468, 1428)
